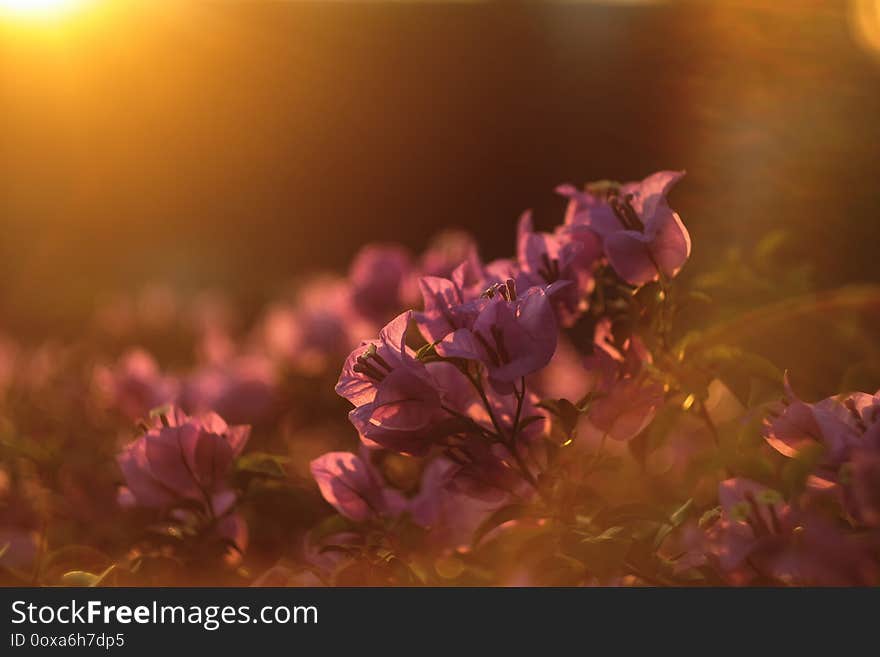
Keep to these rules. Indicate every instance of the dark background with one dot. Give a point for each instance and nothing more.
(233, 145)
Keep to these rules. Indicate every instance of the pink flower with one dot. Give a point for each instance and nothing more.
(564, 377)
(353, 485)
(865, 486)
(460, 396)
(642, 237)
(378, 275)
(546, 258)
(837, 424)
(397, 404)
(447, 252)
(319, 329)
(486, 469)
(242, 389)
(182, 463)
(624, 399)
(513, 336)
(758, 535)
(448, 305)
(135, 385)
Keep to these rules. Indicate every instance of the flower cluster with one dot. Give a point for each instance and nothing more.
(541, 419)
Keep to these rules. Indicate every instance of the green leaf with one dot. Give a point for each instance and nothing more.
(681, 513)
(347, 550)
(602, 554)
(629, 512)
(709, 517)
(262, 463)
(85, 578)
(675, 520)
(78, 578)
(335, 524)
(75, 558)
(610, 534)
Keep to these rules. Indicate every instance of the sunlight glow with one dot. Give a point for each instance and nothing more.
(35, 9)
(865, 21)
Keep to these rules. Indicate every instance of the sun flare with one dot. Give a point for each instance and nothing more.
(38, 8)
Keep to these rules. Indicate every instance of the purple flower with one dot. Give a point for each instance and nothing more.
(865, 486)
(183, 462)
(759, 535)
(355, 487)
(642, 237)
(320, 328)
(546, 258)
(511, 335)
(351, 485)
(455, 302)
(378, 275)
(624, 399)
(844, 434)
(838, 425)
(448, 306)
(242, 389)
(485, 468)
(450, 255)
(135, 385)
(461, 397)
(447, 252)
(564, 377)
(397, 404)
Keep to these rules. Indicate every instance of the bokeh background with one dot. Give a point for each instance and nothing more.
(234, 145)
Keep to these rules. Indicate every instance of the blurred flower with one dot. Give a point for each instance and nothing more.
(241, 389)
(565, 376)
(835, 426)
(318, 330)
(447, 252)
(624, 400)
(134, 385)
(759, 535)
(378, 276)
(865, 485)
